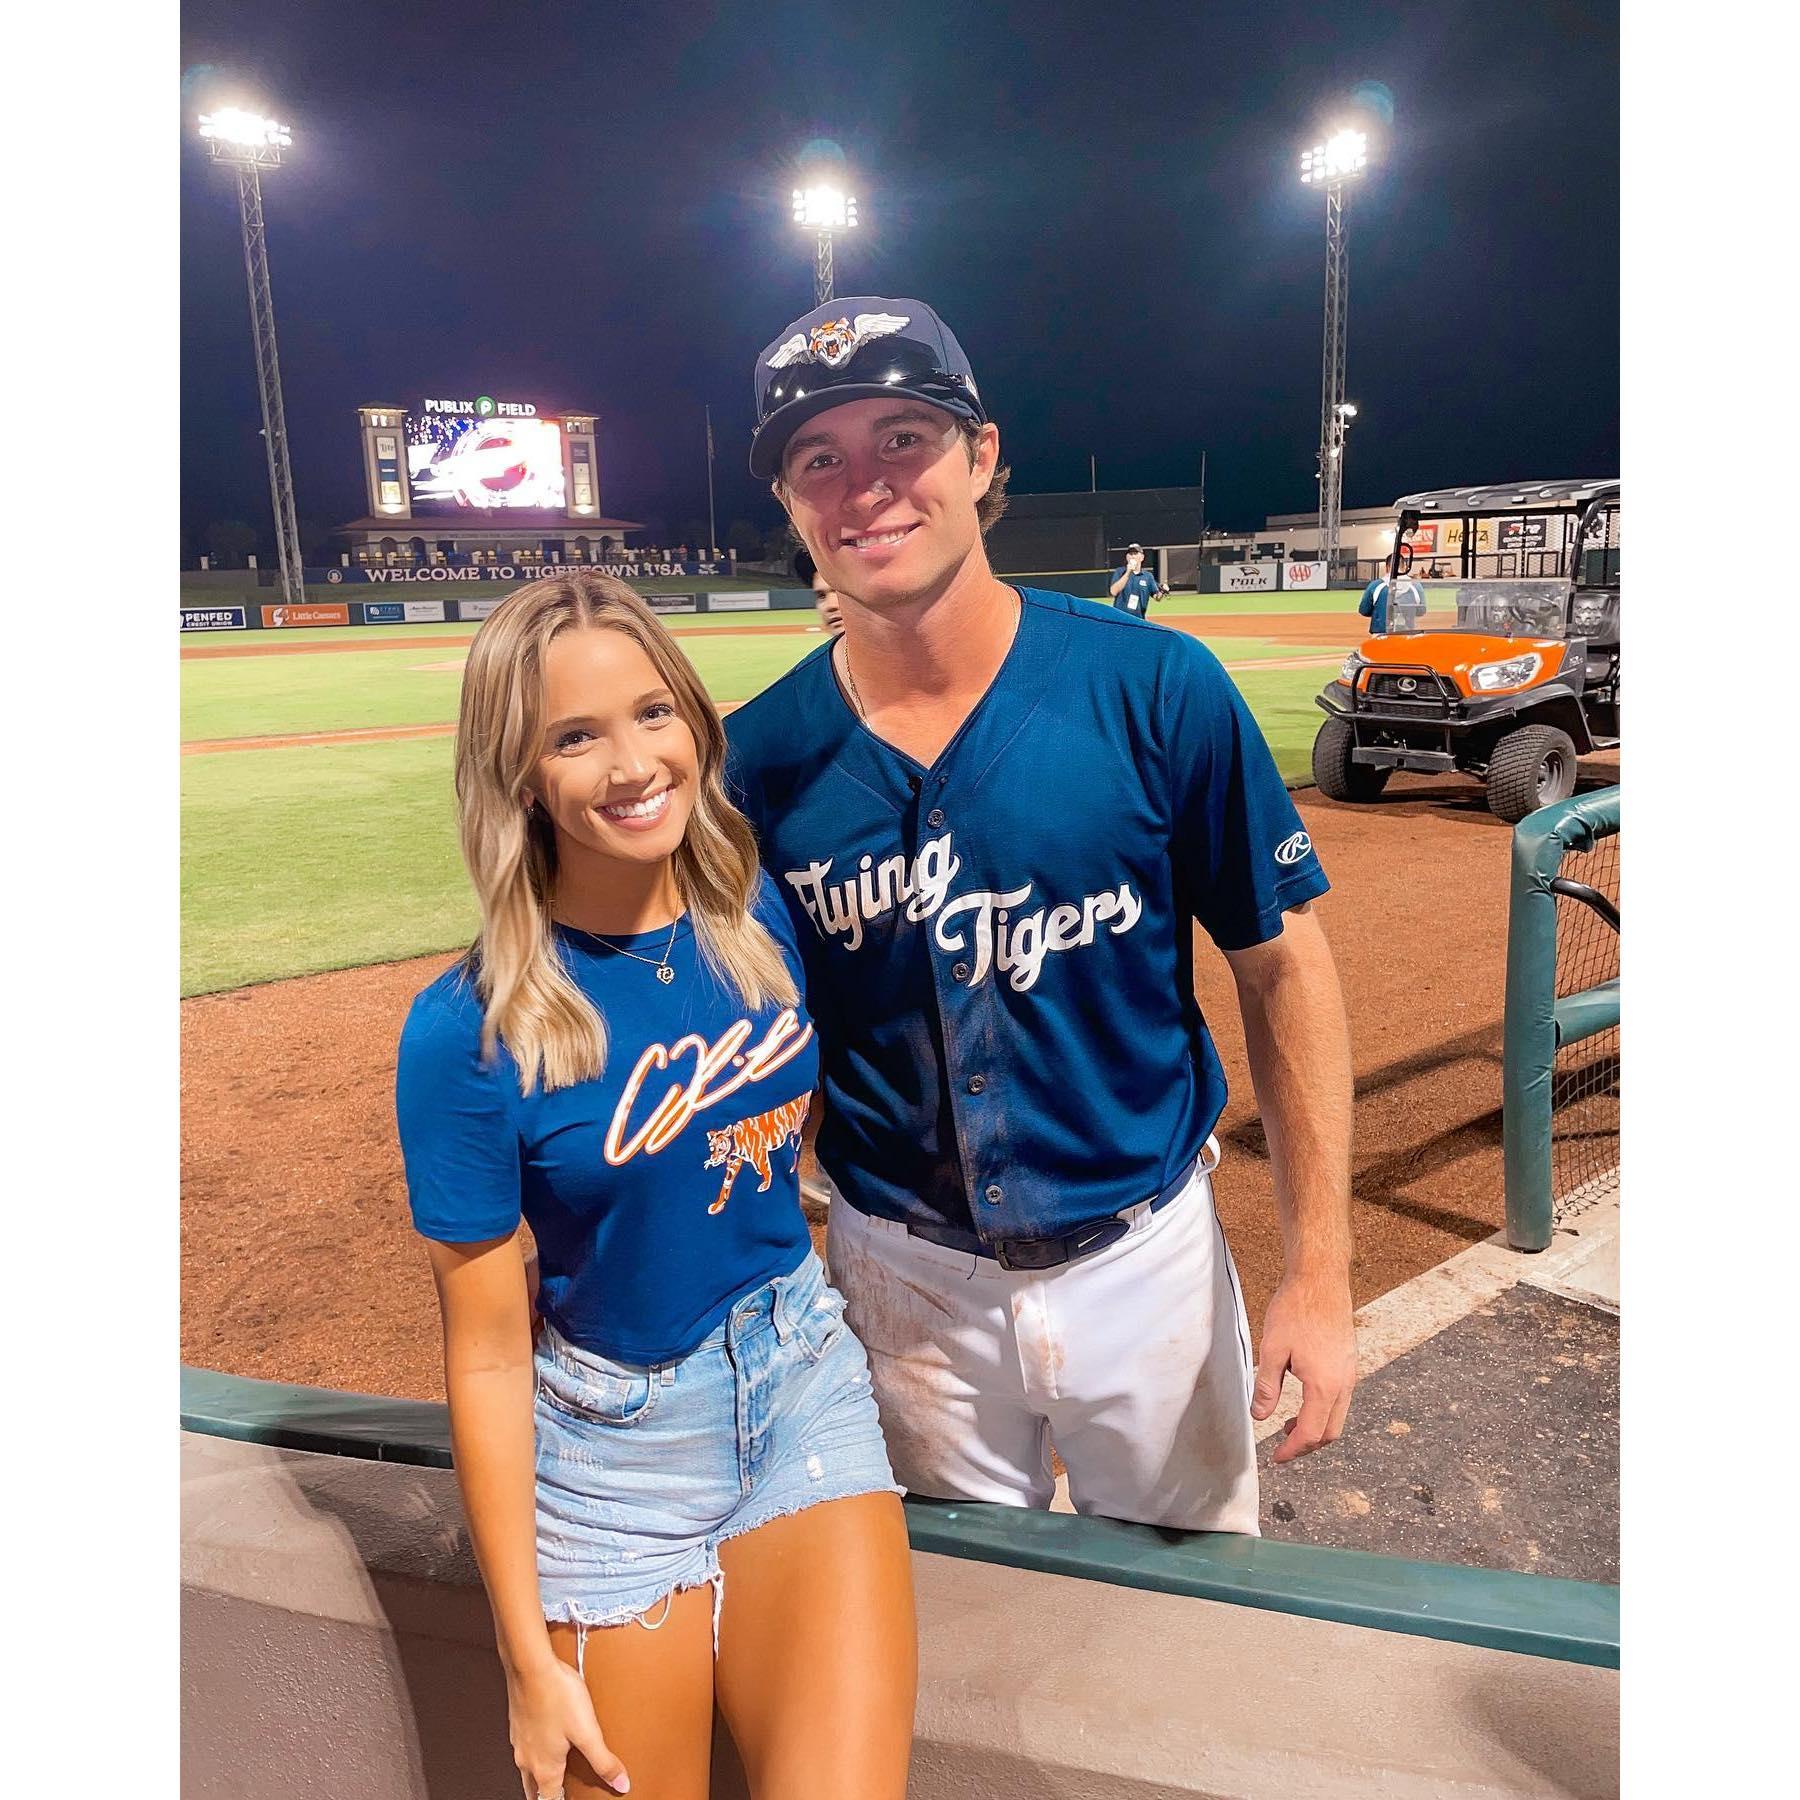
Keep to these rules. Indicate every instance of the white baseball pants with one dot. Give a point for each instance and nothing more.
(1136, 1360)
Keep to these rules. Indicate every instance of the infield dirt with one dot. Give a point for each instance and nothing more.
(299, 1262)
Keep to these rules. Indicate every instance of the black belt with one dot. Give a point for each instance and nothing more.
(1047, 1252)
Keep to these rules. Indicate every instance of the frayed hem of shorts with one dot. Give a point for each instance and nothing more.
(591, 1618)
(808, 1503)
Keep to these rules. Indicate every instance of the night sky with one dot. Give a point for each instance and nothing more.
(588, 206)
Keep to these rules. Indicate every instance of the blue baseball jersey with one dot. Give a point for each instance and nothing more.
(1137, 593)
(658, 1193)
(999, 947)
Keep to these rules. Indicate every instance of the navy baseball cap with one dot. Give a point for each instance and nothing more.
(856, 349)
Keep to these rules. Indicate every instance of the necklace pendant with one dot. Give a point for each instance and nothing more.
(664, 974)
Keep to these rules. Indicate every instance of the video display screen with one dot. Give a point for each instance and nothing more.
(462, 464)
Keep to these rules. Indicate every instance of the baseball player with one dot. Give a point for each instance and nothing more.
(995, 814)
(1134, 587)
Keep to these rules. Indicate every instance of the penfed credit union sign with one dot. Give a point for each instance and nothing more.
(483, 406)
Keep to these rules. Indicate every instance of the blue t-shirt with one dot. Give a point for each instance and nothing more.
(658, 1193)
(999, 947)
(1137, 593)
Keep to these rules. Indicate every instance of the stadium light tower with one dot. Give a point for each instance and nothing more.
(1341, 158)
(250, 144)
(823, 209)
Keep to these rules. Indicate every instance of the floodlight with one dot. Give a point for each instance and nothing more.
(247, 143)
(824, 208)
(1330, 165)
(232, 125)
(1346, 153)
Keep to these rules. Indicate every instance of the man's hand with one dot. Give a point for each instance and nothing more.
(1308, 1329)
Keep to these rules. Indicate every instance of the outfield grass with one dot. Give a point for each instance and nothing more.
(275, 696)
(294, 861)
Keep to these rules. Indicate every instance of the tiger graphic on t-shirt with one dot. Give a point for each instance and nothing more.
(751, 1141)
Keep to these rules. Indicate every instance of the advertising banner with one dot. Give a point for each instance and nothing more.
(1303, 575)
(1247, 578)
(1422, 539)
(324, 613)
(758, 601)
(673, 603)
(474, 609)
(403, 612)
(1522, 534)
(214, 618)
(1450, 536)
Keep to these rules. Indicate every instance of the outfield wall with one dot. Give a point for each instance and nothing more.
(242, 614)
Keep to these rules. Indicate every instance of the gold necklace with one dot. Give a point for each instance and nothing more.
(664, 973)
(856, 698)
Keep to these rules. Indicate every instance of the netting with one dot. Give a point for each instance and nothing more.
(1584, 1088)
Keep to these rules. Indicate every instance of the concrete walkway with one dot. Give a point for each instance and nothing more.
(1485, 1425)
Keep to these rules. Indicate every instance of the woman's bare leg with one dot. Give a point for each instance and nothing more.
(653, 1695)
(818, 1652)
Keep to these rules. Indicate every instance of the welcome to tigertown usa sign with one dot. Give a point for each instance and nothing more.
(624, 571)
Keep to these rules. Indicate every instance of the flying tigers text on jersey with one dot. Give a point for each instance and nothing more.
(998, 946)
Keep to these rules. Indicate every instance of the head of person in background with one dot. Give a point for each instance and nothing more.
(873, 436)
(825, 599)
(1134, 558)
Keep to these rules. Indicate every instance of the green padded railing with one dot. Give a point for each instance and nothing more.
(1537, 1615)
(1536, 1021)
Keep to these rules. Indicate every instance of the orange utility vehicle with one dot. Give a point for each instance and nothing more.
(1508, 671)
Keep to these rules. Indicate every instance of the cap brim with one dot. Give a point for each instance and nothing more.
(771, 436)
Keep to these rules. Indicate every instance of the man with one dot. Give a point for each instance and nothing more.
(994, 813)
(1392, 606)
(1134, 587)
(825, 601)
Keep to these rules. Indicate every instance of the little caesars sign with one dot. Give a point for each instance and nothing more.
(483, 406)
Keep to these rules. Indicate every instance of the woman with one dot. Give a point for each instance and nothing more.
(623, 1059)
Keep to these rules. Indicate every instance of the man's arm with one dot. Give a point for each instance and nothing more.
(1299, 1047)
(1119, 585)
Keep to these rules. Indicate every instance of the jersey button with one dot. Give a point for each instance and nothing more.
(977, 1083)
(960, 971)
(993, 1194)
(935, 817)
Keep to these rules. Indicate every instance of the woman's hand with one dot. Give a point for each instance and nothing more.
(549, 1713)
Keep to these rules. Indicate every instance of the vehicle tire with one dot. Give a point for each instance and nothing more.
(1337, 776)
(1530, 767)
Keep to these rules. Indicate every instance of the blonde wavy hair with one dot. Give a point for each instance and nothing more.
(553, 1031)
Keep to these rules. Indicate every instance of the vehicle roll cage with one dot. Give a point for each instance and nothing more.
(1587, 500)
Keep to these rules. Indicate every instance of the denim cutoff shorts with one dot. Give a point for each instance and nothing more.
(643, 1471)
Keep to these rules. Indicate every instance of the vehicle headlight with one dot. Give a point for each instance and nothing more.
(1485, 678)
(1352, 663)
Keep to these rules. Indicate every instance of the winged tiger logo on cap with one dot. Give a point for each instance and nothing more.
(837, 340)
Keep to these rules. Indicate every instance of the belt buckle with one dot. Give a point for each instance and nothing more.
(1052, 1253)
